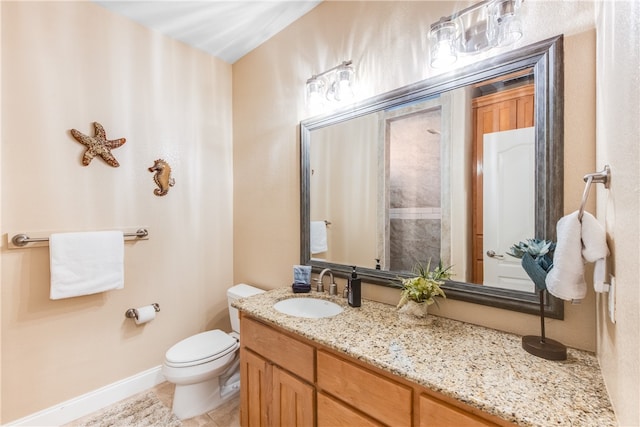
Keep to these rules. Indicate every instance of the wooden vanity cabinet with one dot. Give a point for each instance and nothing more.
(287, 380)
(276, 378)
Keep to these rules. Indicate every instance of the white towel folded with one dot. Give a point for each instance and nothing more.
(595, 249)
(86, 263)
(566, 279)
(599, 276)
(578, 242)
(318, 237)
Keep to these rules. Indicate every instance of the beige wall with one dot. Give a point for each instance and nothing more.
(387, 42)
(66, 65)
(618, 142)
(338, 175)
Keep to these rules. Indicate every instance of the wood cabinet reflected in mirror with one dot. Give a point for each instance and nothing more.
(418, 174)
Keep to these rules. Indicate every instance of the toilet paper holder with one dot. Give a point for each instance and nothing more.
(132, 313)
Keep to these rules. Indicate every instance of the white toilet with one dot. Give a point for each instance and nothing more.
(206, 367)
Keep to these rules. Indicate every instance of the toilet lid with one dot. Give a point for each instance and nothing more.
(198, 348)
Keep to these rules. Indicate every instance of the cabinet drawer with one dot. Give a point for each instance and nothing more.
(434, 412)
(332, 413)
(369, 392)
(287, 352)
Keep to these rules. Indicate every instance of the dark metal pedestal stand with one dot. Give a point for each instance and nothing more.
(541, 346)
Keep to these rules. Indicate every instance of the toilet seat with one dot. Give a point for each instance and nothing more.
(201, 348)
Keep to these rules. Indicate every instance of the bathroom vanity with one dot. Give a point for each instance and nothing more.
(364, 367)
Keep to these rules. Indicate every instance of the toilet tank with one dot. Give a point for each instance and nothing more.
(235, 293)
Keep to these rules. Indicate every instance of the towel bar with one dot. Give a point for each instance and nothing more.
(20, 240)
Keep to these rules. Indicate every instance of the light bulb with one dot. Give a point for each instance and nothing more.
(343, 85)
(510, 30)
(442, 39)
(315, 93)
(507, 21)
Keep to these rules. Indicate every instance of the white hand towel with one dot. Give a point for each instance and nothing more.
(318, 237)
(566, 279)
(595, 249)
(86, 263)
(578, 243)
(599, 276)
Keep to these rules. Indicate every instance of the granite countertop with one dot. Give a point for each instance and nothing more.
(481, 367)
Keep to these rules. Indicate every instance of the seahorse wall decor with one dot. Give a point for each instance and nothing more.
(162, 177)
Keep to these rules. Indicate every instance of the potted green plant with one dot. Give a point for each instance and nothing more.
(536, 256)
(422, 290)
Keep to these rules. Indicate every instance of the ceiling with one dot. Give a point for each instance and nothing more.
(226, 29)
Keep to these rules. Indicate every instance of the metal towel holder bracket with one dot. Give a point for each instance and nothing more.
(602, 177)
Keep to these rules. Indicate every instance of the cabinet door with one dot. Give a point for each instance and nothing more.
(332, 413)
(435, 413)
(255, 390)
(293, 400)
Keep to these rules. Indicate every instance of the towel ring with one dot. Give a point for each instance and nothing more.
(602, 177)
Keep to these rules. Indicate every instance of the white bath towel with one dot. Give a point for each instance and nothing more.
(318, 237)
(86, 263)
(566, 279)
(578, 242)
(595, 249)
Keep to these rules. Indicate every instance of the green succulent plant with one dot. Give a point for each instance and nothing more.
(536, 258)
(534, 247)
(425, 285)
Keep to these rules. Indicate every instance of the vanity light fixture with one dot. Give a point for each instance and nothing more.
(334, 85)
(478, 28)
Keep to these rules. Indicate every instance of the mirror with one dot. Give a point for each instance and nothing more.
(418, 173)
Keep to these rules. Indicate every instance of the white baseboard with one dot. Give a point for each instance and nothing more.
(95, 400)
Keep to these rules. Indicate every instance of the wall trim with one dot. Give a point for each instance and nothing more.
(95, 400)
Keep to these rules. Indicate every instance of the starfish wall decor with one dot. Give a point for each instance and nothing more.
(98, 145)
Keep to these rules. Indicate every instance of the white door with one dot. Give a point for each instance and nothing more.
(508, 206)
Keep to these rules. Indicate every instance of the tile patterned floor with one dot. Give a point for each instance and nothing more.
(227, 415)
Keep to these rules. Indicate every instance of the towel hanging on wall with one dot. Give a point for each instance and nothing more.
(578, 242)
(86, 263)
(318, 237)
(595, 249)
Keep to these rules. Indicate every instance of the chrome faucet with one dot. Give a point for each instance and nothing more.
(333, 288)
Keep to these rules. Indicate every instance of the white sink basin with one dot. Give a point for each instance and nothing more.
(312, 308)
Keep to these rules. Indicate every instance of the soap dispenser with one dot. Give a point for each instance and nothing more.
(354, 289)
